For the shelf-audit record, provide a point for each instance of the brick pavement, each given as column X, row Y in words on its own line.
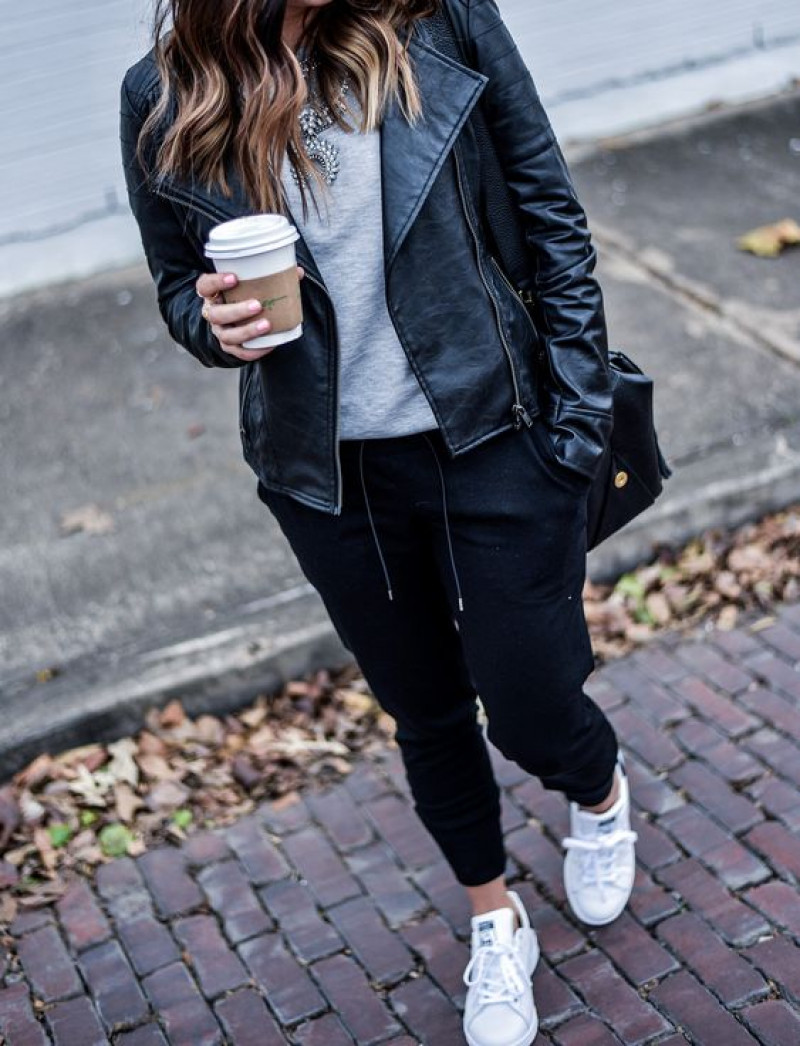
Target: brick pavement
column 333, row 920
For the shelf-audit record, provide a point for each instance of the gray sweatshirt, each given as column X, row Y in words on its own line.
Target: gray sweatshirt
column 379, row 393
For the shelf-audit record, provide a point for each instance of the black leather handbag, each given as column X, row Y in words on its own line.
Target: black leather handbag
column 631, row 471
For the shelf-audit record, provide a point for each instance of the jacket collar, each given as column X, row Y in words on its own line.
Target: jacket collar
column 411, row 156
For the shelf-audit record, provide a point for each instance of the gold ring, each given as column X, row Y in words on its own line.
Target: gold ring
column 204, row 311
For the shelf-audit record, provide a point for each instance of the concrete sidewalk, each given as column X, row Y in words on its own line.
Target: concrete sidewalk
column 178, row 582
column 333, row 919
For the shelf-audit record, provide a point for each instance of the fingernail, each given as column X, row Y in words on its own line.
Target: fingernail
column 262, row 325
column 254, row 306
column 229, row 280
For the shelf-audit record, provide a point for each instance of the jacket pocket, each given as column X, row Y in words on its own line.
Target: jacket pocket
column 546, row 452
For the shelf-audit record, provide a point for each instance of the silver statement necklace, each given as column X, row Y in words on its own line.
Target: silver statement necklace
column 316, row 117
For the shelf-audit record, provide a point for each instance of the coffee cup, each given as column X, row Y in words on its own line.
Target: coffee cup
column 259, row 250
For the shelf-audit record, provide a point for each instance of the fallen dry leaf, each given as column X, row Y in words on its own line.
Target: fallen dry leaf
column 767, row 241
column 88, row 519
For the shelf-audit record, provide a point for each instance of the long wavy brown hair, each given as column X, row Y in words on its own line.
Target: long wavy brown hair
column 234, row 89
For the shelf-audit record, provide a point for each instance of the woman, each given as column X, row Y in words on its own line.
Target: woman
column 430, row 480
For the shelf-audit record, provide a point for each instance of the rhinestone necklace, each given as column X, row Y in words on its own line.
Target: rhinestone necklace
column 316, row 117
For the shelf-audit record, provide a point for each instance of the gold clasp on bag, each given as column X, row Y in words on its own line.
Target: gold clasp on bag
column 621, row 478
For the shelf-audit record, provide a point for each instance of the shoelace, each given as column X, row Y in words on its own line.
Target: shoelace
column 598, row 868
column 499, row 973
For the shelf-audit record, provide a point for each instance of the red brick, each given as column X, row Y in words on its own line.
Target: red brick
column 344, row 822
column 777, row 673
column 779, row 959
column 321, row 866
column 779, row 799
column 774, row 1022
column 217, row 968
column 691, row 1006
column 145, row 1035
column 24, row 922
column 428, row 1012
column 324, row 1031
column 585, row 1031
column 365, row 782
column 446, row 894
column 557, row 937
column 511, row 817
column 165, row 873
column 247, row 1021
column 650, row 791
column 205, row 847
column 291, row 992
column 181, row 1007
column 555, row 1000
column 445, row 957
column 778, row 752
column 81, row 917
column 634, row 951
column 47, row 964
column 117, row 878
column 74, row 1021
column 779, row 902
column 390, row 762
column 719, row 710
column 734, row 644
column 735, row 865
column 737, row 923
column 783, row 639
column 653, row 748
column 147, row 942
column 718, row 670
column 287, row 814
column 654, row 848
column 292, row 907
column 789, row 613
column 17, row 1021
column 650, row 902
column 604, row 693
column 535, row 853
column 780, row 847
column 376, row 869
column 719, row 968
column 234, row 900
column 548, row 808
column 114, row 987
column 773, row 709
column 693, row 829
column 734, row 811
column 383, row 955
column 729, row 760
column 399, row 825
column 594, row 978
column 658, row 663
column 351, row 995
column 260, row 857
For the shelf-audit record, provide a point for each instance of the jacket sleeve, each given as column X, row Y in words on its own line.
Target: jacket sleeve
column 570, row 303
column 172, row 258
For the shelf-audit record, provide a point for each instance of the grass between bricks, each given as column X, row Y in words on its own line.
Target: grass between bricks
column 65, row 813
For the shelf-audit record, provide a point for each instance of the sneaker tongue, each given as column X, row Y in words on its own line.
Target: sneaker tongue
column 493, row 927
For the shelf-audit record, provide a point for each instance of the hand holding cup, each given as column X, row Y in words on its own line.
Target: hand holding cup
column 237, row 322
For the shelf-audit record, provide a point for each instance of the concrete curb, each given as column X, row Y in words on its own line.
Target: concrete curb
column 215, row 673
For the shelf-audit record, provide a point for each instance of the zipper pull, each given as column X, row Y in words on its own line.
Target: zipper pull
column 520, row 415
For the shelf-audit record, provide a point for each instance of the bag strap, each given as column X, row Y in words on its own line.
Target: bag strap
column 502, row 221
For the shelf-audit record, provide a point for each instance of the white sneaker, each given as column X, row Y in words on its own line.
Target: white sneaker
column 600, row 862
column 499, row 1009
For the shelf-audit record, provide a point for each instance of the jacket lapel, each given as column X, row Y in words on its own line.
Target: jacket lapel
column 412, row 156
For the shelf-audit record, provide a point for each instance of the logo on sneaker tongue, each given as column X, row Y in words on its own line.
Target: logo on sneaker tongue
column 486, row 932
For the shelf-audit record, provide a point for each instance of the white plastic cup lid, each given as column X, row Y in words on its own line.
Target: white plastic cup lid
column 250, row 235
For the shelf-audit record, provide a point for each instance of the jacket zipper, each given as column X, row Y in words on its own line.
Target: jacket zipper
column 218, row 215
column 518, row 411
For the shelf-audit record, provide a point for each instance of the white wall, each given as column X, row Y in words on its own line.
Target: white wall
column 602, row 66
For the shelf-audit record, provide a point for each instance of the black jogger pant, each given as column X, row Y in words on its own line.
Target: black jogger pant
column 448, row 577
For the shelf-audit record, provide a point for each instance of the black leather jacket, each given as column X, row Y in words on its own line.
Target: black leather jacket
column 468, row 336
